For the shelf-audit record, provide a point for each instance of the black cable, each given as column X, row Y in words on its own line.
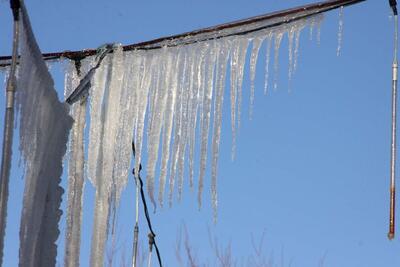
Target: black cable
column 151, row 235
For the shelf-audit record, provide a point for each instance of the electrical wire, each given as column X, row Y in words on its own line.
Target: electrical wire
column 151, row 235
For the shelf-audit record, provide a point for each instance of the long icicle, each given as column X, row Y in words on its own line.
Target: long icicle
column 75, row 174
column 220, row 74
column 257, row 42
column 206, row 113
column 168, row 124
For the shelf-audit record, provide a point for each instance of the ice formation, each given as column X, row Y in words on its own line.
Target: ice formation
column 172, row 98
column 169, row 94
column 44, row 128
column 340, row 31
column 173, row 93
column 76, row 165
column 109, row 148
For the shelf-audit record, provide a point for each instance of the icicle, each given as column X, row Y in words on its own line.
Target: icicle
column 239, row 49
column 76, row 161
column 206, row 113
column 44, row 127
column 277, row 44
column 101, row 203
column 267, row 59
column 167, row 131
column 196, row 88
column 108, row 185
column 318, row 32
column 220, row 73
column 290, row 49
column 95, row 162
column 340, row 31
column 233, row 91
column 312, row 25
column 191, row 53
column 158, row 119
column 257, row 42
column 125, row 126
column 96, row 96
column 178, row 125
column 296, row 48
column 142, row 96
column 244, row 43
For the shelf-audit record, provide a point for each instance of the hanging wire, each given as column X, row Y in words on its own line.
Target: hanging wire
column 151, row 235
column 391, row 233
column 8, row 128
column 240, row 27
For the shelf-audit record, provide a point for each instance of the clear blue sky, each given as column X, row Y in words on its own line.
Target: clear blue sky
column 312, row 166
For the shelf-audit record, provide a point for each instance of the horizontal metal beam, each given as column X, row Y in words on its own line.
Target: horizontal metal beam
column 214, row 32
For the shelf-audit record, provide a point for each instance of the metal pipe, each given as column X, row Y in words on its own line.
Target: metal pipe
column 285, row 16
column 135, row 244
column 136, row 230
column 8, row 136
column 393, row 143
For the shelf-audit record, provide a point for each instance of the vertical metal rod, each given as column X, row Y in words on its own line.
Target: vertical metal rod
column 393, row 144
column 149, row 259
column 136, row 230
column 8, row 137
column 135, row 244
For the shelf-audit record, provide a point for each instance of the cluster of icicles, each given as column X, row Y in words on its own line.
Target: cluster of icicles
column 165, row 96
column 172, row 98
column 174, row 92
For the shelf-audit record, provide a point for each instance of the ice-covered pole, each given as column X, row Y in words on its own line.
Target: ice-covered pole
column 8, row 129
column 394, row 118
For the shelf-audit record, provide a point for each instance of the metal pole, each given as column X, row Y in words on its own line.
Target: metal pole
column 393, row 144
column 135, row 244
column 136, row 230
column 8, row 132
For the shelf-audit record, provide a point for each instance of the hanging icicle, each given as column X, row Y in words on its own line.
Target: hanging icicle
column 340, row 31
column 76, row 165
column 109, row 142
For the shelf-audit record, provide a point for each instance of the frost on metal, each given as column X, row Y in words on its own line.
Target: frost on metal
column 44, row 128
